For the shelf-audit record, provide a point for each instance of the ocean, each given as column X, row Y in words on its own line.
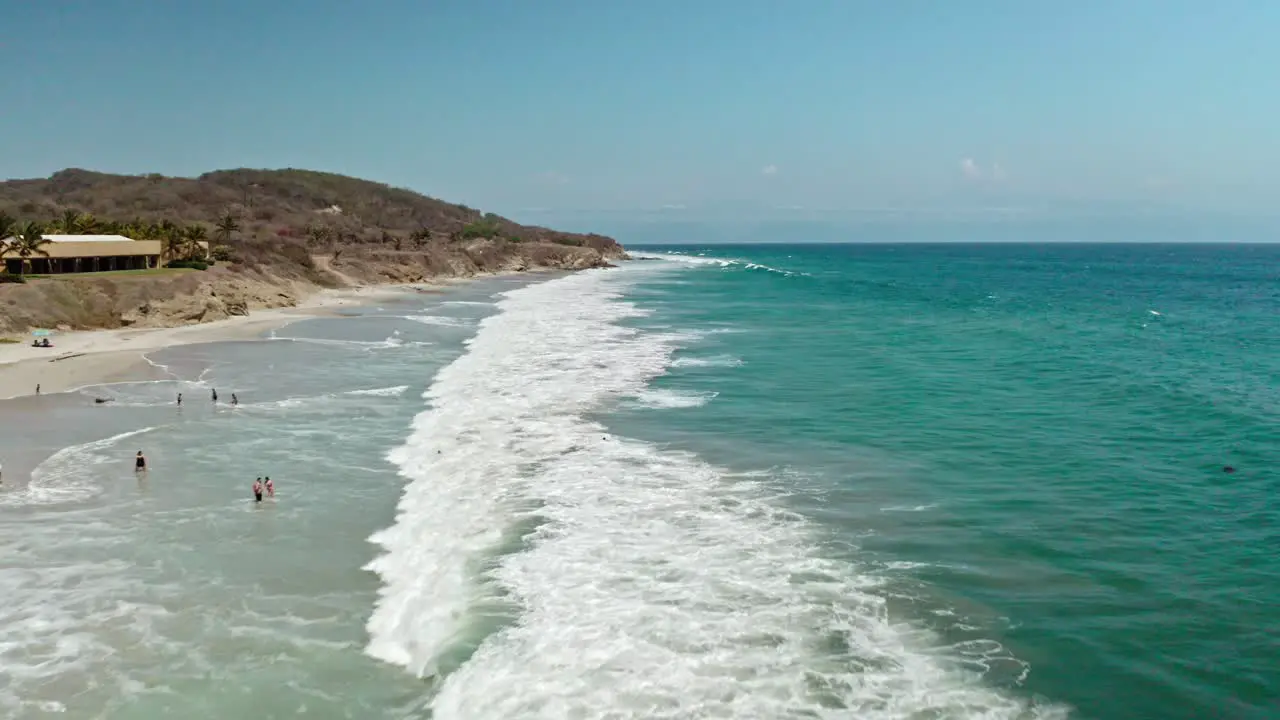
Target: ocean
column 771, row 481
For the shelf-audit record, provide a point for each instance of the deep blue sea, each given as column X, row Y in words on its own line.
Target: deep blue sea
column 1021, row 447
column 882, row 482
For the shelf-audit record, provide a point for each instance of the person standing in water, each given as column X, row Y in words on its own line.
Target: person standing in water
column 234, row 400
column 257, row 490
column 139, row 463
column 214, row 392
column 179, row 399
column 271, row 487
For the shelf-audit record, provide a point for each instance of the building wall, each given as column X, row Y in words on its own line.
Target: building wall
column 102, row 249
column 59, row 265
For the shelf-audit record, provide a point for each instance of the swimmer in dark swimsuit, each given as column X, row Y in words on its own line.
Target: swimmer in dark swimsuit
column 257, row 490
column 234, row 400
column 215, row 395
column 139, row 463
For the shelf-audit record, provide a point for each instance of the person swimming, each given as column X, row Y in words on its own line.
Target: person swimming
column 140, row 463
column 270, row 486
column 257, row 490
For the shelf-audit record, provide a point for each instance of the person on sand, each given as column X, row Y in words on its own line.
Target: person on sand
column 271, row 487
column 37, row 388
column 140, row 463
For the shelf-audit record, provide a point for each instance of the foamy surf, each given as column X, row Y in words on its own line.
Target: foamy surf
column 65, row 477
column 714, row 261
column 441, row 321
column 716, row 361
column 632, row 582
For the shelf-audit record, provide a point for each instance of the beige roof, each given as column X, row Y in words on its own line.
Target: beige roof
column 87, row 238
column 84, row 238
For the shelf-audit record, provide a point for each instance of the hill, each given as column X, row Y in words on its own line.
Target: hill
column 278, row 233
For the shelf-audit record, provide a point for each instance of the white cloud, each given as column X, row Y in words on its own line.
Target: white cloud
column 973, row 170
column 769, row 170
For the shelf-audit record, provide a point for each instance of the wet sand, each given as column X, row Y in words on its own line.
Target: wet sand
column 81, row 358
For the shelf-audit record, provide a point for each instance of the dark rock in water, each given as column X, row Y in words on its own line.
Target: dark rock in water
column 1228, row 469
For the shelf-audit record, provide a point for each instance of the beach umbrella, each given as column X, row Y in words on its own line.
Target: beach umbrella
column 42, row 333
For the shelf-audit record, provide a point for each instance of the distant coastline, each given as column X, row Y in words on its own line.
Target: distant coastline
column 271, row 239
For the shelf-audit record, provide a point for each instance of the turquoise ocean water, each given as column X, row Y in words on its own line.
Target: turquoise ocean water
column 858, row 481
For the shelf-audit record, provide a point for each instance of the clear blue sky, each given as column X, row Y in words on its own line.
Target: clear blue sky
column 655, row 109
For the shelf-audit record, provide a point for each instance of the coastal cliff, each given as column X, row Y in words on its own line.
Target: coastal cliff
column 277, row 236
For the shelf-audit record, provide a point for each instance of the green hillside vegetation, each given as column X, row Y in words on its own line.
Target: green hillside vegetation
column 262, row 216
column 274, row 237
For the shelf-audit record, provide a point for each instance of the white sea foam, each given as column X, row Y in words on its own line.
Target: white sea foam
column 442, row 320
column 907, row 508
column 467, row 302
column 664, row 398
column 396, row 391
column 716, row 361
column 66, row 476
column 713, row 261
column 641, row 583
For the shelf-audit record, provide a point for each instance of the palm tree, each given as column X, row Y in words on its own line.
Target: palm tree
column 28, row 241
column 7, row 226
column 226, row 227
column 195, row 234
column 69, row 223
column 88, row 224
column 172, row 246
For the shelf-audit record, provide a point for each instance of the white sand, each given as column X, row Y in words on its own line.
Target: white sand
column 80, row 358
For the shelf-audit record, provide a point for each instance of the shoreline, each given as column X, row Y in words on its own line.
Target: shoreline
column 91, row 357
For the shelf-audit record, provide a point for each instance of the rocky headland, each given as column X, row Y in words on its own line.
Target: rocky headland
column 277, row 236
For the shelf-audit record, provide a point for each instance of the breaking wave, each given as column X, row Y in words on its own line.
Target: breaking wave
column 539, row 567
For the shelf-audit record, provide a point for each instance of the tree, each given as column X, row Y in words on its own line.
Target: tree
column 173, row 239
column 194, row 235
column 28, row 241
column 69, row 223
column 318, row 235
column 8, row 225
column 226, row 227
column 88, row 224
column 172, row 246
column 420, row 237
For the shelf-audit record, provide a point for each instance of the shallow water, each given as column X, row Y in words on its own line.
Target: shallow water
column 781, row 482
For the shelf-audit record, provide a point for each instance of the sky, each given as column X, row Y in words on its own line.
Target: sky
column 626, row 113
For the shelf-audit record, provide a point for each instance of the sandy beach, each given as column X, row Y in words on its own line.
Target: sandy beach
column 89, row 357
